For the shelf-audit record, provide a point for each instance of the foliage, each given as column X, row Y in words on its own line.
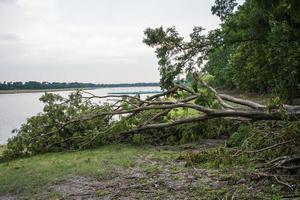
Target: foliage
column 250, row 140
column 176, row 56
column 218, row 65
column 68, row 124
column 223, row 8
column 219, row 157
column 266, row 134
column 261, row 47
column 260, row 148
column 238, row 138
column 194, row 132
column 50, row 131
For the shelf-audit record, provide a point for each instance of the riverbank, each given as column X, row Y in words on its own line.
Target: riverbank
column 128, row 172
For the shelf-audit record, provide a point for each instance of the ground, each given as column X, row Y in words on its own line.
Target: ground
column 127, row 172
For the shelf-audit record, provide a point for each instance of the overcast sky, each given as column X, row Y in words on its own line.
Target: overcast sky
column 96, row 41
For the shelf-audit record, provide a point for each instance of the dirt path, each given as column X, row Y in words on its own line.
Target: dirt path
column 151, row 177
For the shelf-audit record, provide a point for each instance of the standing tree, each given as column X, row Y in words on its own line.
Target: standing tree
column 256, row 49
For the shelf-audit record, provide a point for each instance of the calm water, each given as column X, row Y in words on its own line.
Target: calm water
column 16, row 108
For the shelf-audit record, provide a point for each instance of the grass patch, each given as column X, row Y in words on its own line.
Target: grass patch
column 30, row 176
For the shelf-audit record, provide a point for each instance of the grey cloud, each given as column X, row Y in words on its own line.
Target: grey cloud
column 8, row 36
column 89, row 41
column 8, row 1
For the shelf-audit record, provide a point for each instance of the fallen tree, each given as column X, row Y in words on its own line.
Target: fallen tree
column 239, row 109
column 79, row 122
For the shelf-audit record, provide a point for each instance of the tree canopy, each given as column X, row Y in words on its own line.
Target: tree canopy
column 255, row 49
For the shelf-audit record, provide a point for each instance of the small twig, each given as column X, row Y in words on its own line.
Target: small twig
column 276, row 179
column 290, row 167
column 283, row 183
column 239, row 152
column 270, row 147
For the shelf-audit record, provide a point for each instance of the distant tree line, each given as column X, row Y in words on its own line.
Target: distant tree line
column 32, row 85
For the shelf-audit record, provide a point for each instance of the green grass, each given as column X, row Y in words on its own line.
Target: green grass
column 30, row 176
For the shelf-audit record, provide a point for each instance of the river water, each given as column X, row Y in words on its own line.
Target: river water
column 16, row 108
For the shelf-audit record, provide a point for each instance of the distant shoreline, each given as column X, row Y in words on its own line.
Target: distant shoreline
column 18, row 91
